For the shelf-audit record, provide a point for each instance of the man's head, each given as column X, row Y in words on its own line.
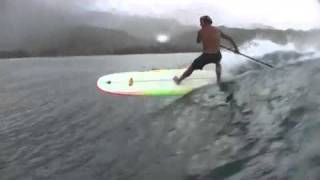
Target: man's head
column 205, row 21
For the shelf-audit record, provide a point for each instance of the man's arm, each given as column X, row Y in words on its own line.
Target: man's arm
column 199, row 37
column 231, row 40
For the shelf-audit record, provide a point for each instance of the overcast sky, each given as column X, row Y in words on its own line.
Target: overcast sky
column 281, row 14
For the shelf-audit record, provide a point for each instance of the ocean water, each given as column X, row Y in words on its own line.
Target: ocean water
column 55, row 124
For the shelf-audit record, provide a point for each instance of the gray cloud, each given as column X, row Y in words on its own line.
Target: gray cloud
column 22, row 22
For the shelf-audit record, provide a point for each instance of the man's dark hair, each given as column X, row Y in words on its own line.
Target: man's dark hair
column 206, row 19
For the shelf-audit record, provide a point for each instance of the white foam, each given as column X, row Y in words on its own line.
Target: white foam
column 258, row 48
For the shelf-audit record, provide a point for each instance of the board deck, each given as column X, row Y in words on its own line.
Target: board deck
column 153, row 82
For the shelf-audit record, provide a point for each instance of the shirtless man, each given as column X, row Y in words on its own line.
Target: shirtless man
column 210, row 37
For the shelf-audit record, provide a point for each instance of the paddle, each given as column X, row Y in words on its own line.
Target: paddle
column 251, row 58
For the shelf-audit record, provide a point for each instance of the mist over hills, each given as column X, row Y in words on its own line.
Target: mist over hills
column 50, row 33
column 145, row 28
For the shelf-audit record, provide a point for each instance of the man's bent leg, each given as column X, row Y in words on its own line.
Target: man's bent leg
column 186, row 74
column 218, row 72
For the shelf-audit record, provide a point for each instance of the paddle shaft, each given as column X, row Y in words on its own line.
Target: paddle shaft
column 251, row 58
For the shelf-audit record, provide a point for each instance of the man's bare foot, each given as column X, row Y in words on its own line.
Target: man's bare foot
column 218, row 81
column 219, row 84
column 176, row 80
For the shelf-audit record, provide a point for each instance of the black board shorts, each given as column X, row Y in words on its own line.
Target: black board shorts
column 205, row 59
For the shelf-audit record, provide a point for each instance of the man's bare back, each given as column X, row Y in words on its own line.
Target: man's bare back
column 210, row 38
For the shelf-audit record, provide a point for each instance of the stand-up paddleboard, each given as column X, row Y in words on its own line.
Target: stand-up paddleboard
column 154, row 82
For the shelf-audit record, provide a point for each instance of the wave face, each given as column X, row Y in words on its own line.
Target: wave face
column 269, row 128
